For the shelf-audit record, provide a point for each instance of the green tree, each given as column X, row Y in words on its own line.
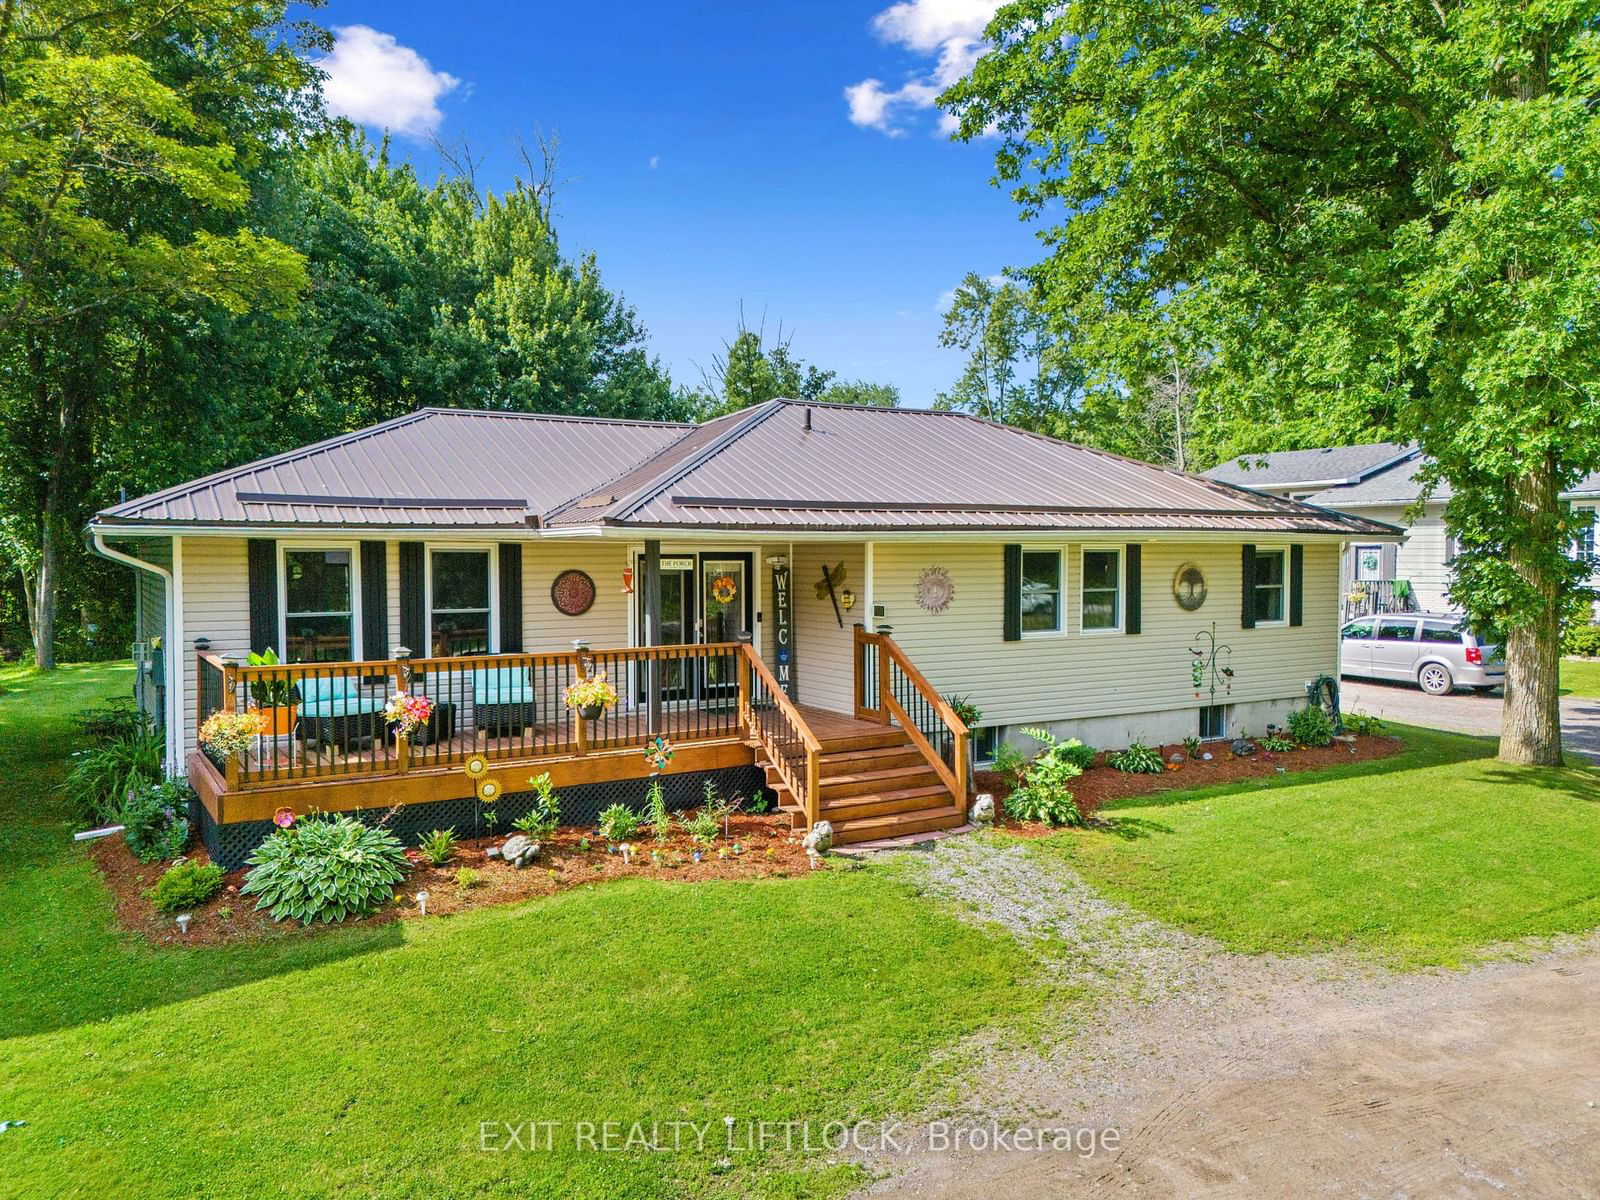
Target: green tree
column 859, row 391
column 750, row 371
column 128, row 132
column 1018, row 370
column 1373, row 216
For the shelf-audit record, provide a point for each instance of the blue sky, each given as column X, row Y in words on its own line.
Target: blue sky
column 784, row 156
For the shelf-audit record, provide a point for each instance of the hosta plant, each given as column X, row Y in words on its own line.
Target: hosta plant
column 1044, row 793
column 1138, row 759
column 325, row 869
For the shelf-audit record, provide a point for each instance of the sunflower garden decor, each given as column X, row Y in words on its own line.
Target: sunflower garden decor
column 724, row 588
column 935, row 589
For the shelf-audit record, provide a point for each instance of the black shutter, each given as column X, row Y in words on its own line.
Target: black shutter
column 413, row 599
column 262, row 556
column 511, row 597
column 1297, row 570
column 1247, row 613
column 1012, row 598
column 1133, row 615
column 374, row 600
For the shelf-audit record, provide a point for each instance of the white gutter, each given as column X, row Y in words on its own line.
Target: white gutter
column 174, row 695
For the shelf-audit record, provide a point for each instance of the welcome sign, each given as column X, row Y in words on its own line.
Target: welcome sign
column 783, row 665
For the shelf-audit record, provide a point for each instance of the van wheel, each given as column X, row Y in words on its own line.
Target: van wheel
column 1435, row 679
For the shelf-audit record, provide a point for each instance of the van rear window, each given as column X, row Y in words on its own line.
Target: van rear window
column 1439, row 631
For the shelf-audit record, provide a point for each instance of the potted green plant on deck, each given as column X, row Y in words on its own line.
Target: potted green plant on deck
column 273, row 696
column 590, row 696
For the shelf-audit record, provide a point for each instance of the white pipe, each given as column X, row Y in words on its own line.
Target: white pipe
column 174, row 694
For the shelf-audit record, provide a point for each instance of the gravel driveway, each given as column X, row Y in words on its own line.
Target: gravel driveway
column 1245, row 1076
column 1467, row 712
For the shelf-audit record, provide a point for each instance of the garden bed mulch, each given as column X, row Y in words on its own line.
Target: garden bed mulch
column 769, row 849
column 1101, row 784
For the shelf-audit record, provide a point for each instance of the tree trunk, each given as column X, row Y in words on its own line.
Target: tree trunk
column 44, row 605
column 1530, row 726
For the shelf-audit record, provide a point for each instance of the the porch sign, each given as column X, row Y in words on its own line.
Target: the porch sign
column 783, row 627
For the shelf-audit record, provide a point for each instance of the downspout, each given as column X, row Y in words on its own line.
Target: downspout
column 174, row 693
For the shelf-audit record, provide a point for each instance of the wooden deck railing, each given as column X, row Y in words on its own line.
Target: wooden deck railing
column 1369, row 596
column 325, row 720
column 777, row 723
column 889, row 686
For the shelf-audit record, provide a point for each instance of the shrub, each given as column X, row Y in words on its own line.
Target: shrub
column 702, row 825
column 541, row 820
column 155, row 820
column 466, row 878
column 103, row 775
column 186, row 885
column 1191, row 746
column 618, row 823
column 1581, row 640
column 1010, row 762
column 1071, row 750
column 325, row 868
column 438, row 846
column 1044, row 794
column 1310, row 726
column 1138, row 759
column 108, row 722
column 1362, row 724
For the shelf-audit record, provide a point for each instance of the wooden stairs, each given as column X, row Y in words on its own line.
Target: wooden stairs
column 874, row 783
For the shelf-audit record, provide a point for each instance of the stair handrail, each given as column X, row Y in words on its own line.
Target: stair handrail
column 808, row 790
column 954, row 774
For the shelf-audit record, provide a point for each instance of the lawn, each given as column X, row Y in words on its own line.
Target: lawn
column 364, row 1061
column 1581, row 677
column 1426, row 858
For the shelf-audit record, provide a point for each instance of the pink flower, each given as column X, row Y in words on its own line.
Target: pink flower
column 283, row 818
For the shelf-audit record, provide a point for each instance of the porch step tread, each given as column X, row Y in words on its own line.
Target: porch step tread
column 878, row 774
column 872, row 757
column 844, row 804
column 847, row 743
column 869, row 829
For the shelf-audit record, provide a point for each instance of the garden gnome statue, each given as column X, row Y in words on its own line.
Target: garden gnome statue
column 983, row 809
column 817, row 842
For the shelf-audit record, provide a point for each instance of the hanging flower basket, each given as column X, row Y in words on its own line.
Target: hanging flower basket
column 591, row 696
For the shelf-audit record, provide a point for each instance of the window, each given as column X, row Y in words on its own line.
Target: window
column 1447, row 632
column 984, row 742
column 459, row 613
column 1583, row 540
column 1041, row 591
column 1397, row 631
column 1369, row 563
column 1269, row 587
column 318, row 614
column 1358, row 631
column 1102, row 589
column 1213, row 722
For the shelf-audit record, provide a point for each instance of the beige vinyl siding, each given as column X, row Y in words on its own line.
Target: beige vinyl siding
column 1075, row 675
column 824, row 652
column 216, row 606
column 544, row 628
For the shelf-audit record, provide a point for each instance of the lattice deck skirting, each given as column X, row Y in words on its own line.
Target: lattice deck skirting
column 229, row 845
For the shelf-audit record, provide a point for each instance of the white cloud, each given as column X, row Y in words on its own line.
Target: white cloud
column 949, row 32
column 655, row 161
column 373, row 80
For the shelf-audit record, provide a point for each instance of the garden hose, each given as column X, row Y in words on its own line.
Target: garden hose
column 1324, row 691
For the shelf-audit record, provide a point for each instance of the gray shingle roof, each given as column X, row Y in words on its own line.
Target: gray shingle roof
column 1325, row 467
column 853, row 468
column 1396, row 485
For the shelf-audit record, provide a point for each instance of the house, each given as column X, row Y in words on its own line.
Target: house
column 789, row 594
column 1379, row 481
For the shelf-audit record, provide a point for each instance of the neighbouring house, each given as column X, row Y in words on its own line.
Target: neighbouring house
column 1379, row 481
column 790, row 594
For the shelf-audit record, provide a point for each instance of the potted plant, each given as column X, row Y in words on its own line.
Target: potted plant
column 590, row 696
column 273, row 697
column 225, row 734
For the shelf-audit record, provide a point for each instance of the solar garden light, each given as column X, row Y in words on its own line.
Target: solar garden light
column 422, row 903
column 183, row 920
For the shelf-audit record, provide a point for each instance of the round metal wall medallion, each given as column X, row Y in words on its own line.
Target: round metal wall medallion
column 935, row 590
column 1189, row 587
column 572, row 593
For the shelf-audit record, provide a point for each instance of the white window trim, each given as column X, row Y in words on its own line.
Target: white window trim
column 1378, row 546
column 1283, row 621
column 493, row 550
column 298, row 547
column 1119, row 624
column 1060, row 630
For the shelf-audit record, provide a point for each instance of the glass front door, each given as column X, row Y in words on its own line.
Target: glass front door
column 725, row 600
column 677, row 626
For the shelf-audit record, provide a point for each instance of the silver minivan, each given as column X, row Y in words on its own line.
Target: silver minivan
column 1436, row 651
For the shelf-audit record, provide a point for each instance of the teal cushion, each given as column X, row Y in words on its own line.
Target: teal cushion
column 501, row 685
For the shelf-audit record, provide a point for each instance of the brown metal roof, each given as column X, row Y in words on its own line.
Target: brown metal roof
column 853, row 468
column 431, row 468
column 909, row 469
